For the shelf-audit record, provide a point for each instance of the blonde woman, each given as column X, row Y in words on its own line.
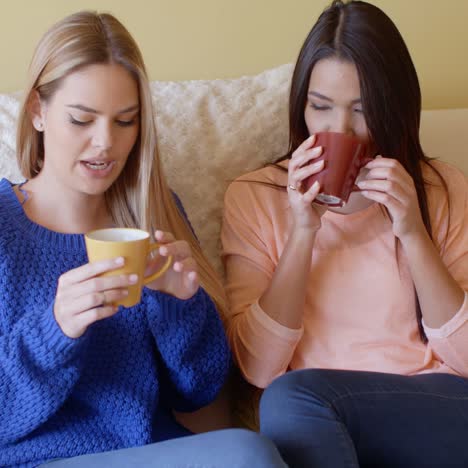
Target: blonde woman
column 77, row 375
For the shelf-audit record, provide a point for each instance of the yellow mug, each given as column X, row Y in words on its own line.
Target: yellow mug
column 134, row 246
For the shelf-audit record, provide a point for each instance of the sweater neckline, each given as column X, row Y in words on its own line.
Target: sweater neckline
column 18, row 219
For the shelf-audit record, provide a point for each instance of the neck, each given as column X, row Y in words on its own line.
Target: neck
column 61, row 209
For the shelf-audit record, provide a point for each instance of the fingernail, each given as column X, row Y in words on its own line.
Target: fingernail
column 315, row 184
column 119, row 261
column 125, row 292
column 133, row 278
column 318, row 163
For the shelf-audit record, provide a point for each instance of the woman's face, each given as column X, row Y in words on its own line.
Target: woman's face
column 334, row 99
column 334, row 105
column 90, row 126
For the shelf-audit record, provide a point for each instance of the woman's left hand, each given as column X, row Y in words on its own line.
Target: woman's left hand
column 388, row 183
column 181, row 279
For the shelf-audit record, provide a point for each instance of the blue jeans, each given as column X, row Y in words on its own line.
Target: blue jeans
column 225, row 448
column 336, row 419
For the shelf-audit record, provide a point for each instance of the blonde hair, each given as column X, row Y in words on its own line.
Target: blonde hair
column 140, row 197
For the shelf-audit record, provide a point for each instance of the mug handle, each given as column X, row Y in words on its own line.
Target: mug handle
column 160, row 272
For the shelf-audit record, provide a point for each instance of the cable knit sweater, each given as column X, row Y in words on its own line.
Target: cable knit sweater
column 62, row 397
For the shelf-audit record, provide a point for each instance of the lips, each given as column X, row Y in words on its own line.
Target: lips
column 98, row 168
column 97, row 165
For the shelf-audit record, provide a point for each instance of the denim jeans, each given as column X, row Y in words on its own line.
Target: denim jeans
column 236, row 448
column 336, row 419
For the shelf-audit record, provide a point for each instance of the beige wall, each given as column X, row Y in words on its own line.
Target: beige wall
column 204, row 39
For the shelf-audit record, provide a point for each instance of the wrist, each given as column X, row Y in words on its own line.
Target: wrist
column 414, row 239
column 305, row 230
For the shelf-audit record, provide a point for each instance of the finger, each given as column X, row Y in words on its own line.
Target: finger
column 90, row 270
column 391, row 203
column 306, row 144
column 191, row 284
column 303, row 158
column 187, row 265
column 97, row 299
column 309, row 196
column 164, row 237
column 390, row 187
column 87, row 318
column 381, row 162
column 100, row 284
column 307, row 171
column 390, row 173
column 178, row 249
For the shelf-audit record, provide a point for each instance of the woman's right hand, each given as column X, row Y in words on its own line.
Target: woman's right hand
column 83, row 297
column 306, row 214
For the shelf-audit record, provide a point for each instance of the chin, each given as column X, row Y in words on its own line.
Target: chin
column 96, row 188
column 355, row 203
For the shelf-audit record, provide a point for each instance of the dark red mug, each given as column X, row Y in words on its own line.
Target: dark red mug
column 344, row 157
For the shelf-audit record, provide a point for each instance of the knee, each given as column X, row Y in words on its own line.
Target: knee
column 295, row 392
column 249, row 449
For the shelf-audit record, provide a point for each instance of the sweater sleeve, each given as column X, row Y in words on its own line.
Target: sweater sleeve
column 262, row 347
column 193, row 347
column 450, row 227
column 39, row 366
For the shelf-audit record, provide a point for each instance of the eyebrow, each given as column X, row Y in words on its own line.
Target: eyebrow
column 325, row 98
column 94, row 111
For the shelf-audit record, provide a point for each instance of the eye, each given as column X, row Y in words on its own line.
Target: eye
column 319, row 107
column 78, row 122
column 358, row 110
column 126, row 123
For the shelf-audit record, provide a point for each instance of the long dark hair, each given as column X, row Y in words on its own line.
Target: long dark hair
column 364, row 35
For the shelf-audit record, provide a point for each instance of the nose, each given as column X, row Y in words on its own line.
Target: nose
column 102, row 137
column 342, row 122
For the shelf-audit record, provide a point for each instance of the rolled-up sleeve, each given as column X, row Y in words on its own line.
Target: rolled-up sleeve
column 262, row 347
column 450, row 232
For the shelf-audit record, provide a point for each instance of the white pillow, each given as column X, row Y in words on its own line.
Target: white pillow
column 9, row 108
column 210, row 132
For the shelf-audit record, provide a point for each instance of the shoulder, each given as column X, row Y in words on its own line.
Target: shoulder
column 263, row 186
column 442, row 180
column 8, row 205
column 435, row 169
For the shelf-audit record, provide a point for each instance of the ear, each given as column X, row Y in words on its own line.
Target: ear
column 36, row 111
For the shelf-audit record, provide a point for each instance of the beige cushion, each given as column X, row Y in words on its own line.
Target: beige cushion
column 212, row 131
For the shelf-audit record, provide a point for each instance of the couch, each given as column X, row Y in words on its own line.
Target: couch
column 212, row 131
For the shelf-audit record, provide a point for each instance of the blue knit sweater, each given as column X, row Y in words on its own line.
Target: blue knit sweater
column 62, row 397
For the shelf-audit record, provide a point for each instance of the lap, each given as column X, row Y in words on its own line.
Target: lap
column 404, row 419
column 337, row 384
column 224, row 448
